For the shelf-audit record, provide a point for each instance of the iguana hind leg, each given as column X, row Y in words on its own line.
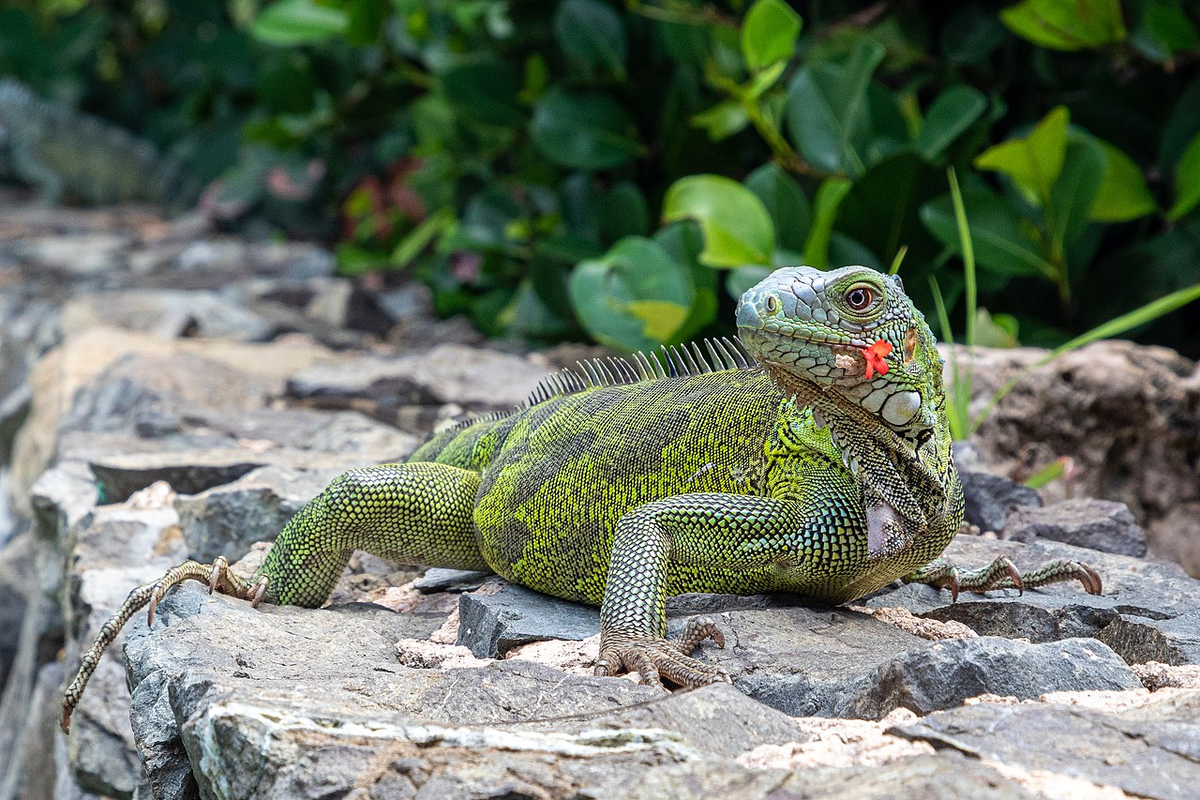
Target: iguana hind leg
column 417, row 512
column 718, row 531
column 1003, row 574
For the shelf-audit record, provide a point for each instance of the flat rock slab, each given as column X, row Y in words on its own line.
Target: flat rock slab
column 1151, row 751
column 1102, row 525
column 989, row 498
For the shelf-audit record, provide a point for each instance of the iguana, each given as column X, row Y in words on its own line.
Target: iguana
column 68, row 155
column 821, row 467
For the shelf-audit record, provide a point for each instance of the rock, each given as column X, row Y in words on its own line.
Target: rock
column 990, row 497
column 1096, row 524
column 437, row 579
column 492, row 624
column 1145, row 613
column 227, row 519
column 1129, row 416
column 187, row 473
column 1083, row 742
column 1174, row 536
column 166, row 313
column 17, row 584
column 1170, row 641
column 448, row 373
column 944, row 674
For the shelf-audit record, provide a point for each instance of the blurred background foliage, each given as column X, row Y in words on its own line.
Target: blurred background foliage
column 622, row 171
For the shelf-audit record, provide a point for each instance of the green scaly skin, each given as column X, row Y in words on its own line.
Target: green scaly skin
column 799, row 474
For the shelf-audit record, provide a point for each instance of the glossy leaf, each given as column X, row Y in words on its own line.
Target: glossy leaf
column 1000, row 234
column 293, row 22
column 1123, row 195
column 1075, row 191
column 954, row 110
column 592, row 35
column 769, row 33
column 635, row 297
column 1066, row 24
column 1033, row 162
column 791, row 213
column 827, row 112
column 736, row 226
column 584, row 131
column 1187, row 181
column 829, row 198
column 722, row 120
column 623, row 212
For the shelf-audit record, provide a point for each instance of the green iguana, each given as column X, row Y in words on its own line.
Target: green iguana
column 824, row 468
column 65, row 154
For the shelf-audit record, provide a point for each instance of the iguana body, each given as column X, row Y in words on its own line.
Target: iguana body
column 824, row 469
column 65, row 154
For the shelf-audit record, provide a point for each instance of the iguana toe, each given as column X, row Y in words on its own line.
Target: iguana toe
column 655, row 658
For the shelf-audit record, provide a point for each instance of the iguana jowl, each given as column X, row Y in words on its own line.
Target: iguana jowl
column 824, row 468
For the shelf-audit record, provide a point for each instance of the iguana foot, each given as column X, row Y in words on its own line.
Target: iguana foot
column 655, row 658
column 1003, row 574
column 217, row 577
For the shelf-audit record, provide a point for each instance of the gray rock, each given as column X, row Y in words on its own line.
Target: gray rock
column 944, row 674
column 227, row 519
column 1151, row 751
column 448, row 373
column 167, row 313
column 1096, row 524
column 989, row 499
column 1139, row 639
column 18, row 583
column 492, row 624
column 947, row 776
column 188, row 473
column 1147, row 611
column 438, row 579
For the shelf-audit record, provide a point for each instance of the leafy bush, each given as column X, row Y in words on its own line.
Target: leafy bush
column 555, row 169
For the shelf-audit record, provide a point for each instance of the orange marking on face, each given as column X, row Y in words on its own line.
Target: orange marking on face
column 874, row 355
column 910, row 344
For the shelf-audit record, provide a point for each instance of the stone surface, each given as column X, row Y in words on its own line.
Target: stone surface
column 492, row 624
column 1128, row 416
column 227, row 519
column 1163, row 761
column 1084, row 522
column 991, row 497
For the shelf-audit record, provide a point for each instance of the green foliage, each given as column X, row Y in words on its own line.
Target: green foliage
column 624, row 170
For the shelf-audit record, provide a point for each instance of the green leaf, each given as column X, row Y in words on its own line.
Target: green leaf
column 635, row 297
column 954, row 110
column 1165, row 30
column 737, row 228
column 1187, row 181
column 1034, row 161
column 738, row 281
column 293, row 22
column 827, row 113
column 1066, row 24
column 882, row 210
column 623, row 212
column 1123, row 195
column 584, row 131
column 421, row 236
column 722, row 120
column 592, row 35
column 484, row 90
column 999, row 234
column 1075, row 190
column 769, row 33
column 829, row 197
column 784, row 200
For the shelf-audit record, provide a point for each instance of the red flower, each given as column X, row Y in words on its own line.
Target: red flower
column 875, row 355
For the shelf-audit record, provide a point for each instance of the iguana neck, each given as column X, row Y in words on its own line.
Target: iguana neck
column 912, row 472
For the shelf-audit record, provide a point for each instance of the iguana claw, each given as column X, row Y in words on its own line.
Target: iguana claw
column 1003, row 574
column 655, row 658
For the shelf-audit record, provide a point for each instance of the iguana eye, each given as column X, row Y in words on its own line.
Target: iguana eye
column 859, row 298
column 772, row 303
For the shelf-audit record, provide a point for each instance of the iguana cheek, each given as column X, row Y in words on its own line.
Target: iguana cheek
column 900, row 408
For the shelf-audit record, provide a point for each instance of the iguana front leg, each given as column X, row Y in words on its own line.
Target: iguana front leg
column 717, row 531
column 1003, row 574
column 419, row 513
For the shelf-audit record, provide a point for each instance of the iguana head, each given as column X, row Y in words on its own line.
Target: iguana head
column 848, row 340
